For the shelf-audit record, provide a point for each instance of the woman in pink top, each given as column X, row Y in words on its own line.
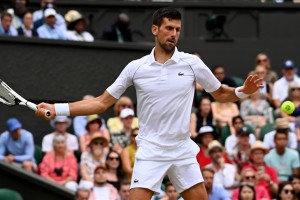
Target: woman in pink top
column 93, row 124
column 59, row 165
column 249, row 176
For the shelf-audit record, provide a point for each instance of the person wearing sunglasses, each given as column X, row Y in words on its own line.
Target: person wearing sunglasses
column 93, row 157
column 114, row 168
column 285, row 191
column 264, row 60
column 249, row 176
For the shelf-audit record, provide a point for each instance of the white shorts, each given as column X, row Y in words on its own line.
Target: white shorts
column 183, row 174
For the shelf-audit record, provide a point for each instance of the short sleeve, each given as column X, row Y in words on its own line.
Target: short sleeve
column 124, row 80
column 295, row 162
column 204, row 76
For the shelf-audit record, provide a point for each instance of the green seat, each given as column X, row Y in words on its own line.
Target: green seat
column 225, row 132
column 8, row 194
column 239, row 81
column 38, row 154
column 265, row 129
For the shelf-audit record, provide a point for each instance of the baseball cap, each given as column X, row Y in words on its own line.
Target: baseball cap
column 205, row 129
column 243, row 132
column 288, row 64
column 100, row 167
column 49, row 12
column 13, row 124
column 126, row 112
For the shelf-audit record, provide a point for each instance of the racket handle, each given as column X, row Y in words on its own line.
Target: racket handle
column 32, row 106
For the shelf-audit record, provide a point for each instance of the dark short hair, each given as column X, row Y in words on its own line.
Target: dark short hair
column 6, row 14
column 237, row 117
column 280, row 133
column 166, row 12
column 293, row 176
column 215, row 67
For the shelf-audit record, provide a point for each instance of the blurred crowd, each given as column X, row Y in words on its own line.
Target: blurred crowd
column 47, row 23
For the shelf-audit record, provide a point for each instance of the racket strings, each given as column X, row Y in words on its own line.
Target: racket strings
column 6, row 97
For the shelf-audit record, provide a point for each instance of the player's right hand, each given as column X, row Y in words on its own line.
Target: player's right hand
column 41, row 110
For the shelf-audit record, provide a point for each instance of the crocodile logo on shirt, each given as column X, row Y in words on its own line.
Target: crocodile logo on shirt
column 180, row 74
column 135, row 181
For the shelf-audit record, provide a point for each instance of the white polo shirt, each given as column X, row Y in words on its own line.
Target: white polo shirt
column 164, row 96
column 281, row 86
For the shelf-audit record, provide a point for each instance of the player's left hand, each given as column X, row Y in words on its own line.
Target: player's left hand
column 251, row 85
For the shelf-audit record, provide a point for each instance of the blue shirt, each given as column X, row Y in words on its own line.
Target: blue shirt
column 218, row 193
column 48, row 32
column 283, row 164
column 22, row 149
column 11, row 31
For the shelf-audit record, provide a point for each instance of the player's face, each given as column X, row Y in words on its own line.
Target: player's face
column 167, row 34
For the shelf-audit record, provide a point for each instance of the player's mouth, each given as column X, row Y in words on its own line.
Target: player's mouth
column 171, row 42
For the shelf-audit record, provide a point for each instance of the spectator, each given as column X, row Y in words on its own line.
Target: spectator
column 38, row 16
column 249, row 176
column 263, row 60
column 114, row 124
column 102, row 189
column 5, row 26
column 77, row 27
column 204, row 137
column 171, row 192
column 17, row 146
column 280, row 89
column 294, row 96
column 238, row 125
column 114, row 169
column 26, row 29
column 202, row 117
column 267, row 90
column 118, row 31
column 82, row 194
column 124, row 190
column 215, row 192
column 60, row 125
column 281, row 124
column 92, row 158
column 225, row 173
column 128, row 154
column 18, row 10
column 283, row 159
column 255, row 112
column 122, row 139
column 93, row 125
column 241, row 152
column 48, row 30
column 266, row 175
column 295, row 181
column 223, row 114
column 285, row 191
column 79, row 122
column 247, row 192
column 59, row 165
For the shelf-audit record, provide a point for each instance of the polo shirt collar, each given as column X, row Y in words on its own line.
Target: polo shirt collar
column 175, row 57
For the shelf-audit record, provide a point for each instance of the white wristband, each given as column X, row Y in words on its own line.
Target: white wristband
column 62, row 109
column 240, row 95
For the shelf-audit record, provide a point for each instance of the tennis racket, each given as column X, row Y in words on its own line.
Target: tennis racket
column 10, row 98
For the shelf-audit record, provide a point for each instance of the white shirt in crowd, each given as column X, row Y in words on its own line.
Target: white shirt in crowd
column 101, row 193
column 280, row 89
column 270, row 144
column 85, row 36
column 47, row 143
column 231, row 141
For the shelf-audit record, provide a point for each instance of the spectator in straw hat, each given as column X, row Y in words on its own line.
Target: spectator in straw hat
column 60, row 125
column 225, row 173
column 77, row 27
column 281, row 124
column 283, row 159
column 266, row 175
column 204, row 137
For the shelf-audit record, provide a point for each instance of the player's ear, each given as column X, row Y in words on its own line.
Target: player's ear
column 154, row 29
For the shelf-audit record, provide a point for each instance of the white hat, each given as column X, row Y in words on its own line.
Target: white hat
column 61, row 119
column 49, row 12
column 206, row 129
column 72, row 16
column 126, row 112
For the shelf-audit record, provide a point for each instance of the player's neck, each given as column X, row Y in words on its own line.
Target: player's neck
column 162, row 55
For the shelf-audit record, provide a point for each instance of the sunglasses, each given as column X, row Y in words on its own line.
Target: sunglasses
column 113, row 158
column 126, row 106
column 249, row 177
column 98, row 143
column 293, row 89
column 286, row 191
column 262, row 60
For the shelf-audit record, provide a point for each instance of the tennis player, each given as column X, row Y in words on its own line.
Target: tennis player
column 165, row 82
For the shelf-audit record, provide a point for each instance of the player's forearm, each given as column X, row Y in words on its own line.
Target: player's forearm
column 225, row 94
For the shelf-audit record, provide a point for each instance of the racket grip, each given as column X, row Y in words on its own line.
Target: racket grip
column 32, row 106
column 47, row 113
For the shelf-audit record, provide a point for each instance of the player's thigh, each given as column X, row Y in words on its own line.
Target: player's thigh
column 196, row 192
column 184, row 174
column 149, row 174
column 140, row 194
